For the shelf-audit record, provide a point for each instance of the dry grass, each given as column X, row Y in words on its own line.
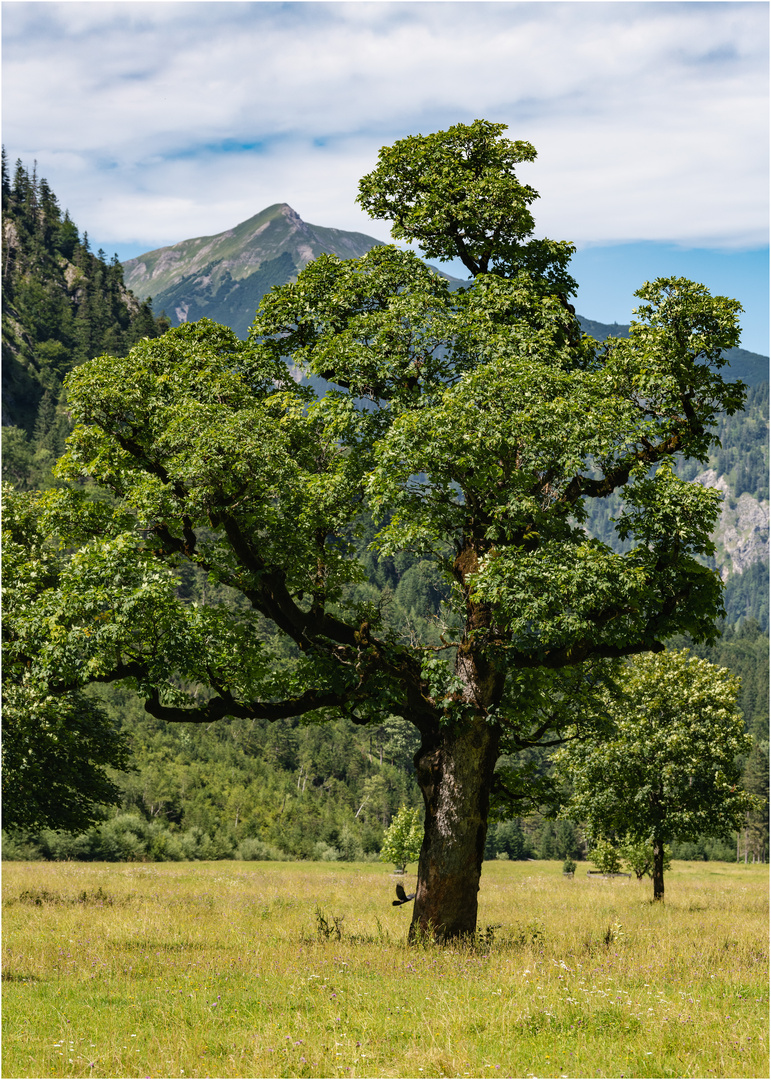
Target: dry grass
column 225, row 970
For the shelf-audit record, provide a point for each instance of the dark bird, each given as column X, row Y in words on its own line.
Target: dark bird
column 403, row 897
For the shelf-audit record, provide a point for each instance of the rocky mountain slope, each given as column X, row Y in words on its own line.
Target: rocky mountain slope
column 224, row 277
column 741, row 537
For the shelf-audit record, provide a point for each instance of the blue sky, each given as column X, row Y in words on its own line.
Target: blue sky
column 157, row 122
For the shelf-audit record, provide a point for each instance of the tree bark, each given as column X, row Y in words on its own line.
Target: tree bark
column 658, row 868
column 455, row 771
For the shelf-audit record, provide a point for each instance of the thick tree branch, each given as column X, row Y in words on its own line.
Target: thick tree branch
column 226, row 705
column 581, row 486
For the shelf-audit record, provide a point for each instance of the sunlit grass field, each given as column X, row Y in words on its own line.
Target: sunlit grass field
column 233, row 969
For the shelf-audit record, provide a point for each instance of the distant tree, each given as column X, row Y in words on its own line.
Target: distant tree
column 566, row 840
column 402, row 840
column 509, row 839
column 753, row 838
column 547, row 841
column 671, row 766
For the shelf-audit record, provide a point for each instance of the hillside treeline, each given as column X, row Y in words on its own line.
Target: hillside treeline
column 62, row 305
column 288, row 789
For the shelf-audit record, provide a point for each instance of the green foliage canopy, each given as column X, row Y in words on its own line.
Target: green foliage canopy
column 671, row 768
column 57, row 747
column 456, row 193
column 218, row 456
column 471, row 426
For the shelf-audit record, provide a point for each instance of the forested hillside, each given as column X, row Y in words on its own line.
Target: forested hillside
column 62, row 305
column 290, row 789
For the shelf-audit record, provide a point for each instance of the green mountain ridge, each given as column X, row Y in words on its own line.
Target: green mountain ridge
column 224, row 276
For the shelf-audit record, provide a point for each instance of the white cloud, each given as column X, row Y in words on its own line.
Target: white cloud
column 155, row 122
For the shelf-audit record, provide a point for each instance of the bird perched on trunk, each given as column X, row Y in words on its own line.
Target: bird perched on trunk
column 403, row 897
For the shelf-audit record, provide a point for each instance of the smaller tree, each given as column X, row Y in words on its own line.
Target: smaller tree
column 638, row 856
column 402, row 840
column 605, row 856
column 670, row 768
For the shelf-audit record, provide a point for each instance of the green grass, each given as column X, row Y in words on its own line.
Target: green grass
column 219, row 970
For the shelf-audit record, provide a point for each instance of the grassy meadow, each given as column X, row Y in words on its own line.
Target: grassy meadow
column 233, row 969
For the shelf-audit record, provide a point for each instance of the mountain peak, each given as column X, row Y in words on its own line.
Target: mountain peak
column 290, row 214
column 225, row 276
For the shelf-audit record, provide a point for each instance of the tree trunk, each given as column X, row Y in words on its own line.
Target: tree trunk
column 658, row 868
column 455, row 772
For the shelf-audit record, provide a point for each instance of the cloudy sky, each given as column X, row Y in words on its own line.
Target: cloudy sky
column 157, row 122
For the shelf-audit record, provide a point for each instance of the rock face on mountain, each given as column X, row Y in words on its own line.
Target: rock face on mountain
column 225, row 276
column 741, row 537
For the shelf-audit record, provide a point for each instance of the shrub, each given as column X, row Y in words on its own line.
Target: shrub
column 63, row 846
column 254, row 850
column 19, row 846
column 324, row 852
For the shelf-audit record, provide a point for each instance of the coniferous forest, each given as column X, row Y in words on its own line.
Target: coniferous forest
column 289, row 789
column 62, row 305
